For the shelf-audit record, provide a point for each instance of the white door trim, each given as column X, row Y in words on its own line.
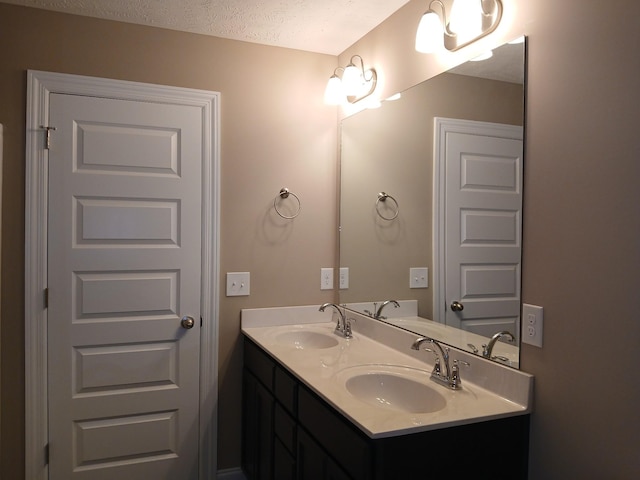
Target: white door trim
column 39, row 86
column 442, row 126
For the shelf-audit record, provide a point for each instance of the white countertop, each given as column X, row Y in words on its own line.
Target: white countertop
column 489, row 391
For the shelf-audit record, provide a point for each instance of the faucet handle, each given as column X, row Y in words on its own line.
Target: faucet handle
column 457, row 361
column 456, row 381
column 347, row 327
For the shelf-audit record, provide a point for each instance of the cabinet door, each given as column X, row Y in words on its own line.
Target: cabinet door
column 257, row 430
column 284, row 465
column 314, row 463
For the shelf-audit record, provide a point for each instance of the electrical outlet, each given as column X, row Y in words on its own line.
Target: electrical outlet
column 326, row 279
column 532, row 323
column 344, row 278
column 238, row 284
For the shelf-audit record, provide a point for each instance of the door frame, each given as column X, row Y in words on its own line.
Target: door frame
column 441, row 127
column 39, row 86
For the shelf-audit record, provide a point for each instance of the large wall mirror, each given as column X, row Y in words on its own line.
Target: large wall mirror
column 431, row 207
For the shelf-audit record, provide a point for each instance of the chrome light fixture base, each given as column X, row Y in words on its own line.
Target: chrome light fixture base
column 491, row 15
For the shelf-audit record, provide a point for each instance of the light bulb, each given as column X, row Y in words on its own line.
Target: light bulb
column 466, row 19
column 333, row 94
column 429, row 34
column 352, row 80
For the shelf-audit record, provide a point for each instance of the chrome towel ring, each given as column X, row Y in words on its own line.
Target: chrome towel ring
column 284, row 193
column 382, row 197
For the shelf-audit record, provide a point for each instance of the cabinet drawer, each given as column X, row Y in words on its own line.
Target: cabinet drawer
column 285, row 428
column 347, row 446
column 259, row 363
column 286, row 390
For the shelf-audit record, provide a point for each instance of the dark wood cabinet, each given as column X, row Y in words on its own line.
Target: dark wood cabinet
column 257, row 429
column 314, row 463
column 291, row 433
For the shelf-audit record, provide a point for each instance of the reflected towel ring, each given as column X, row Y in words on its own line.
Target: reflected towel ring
column 382, row 197
column 284, row 193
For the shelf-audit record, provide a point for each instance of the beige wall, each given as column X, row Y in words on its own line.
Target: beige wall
column 581, row 223
column 275, row 132
column 581, row 205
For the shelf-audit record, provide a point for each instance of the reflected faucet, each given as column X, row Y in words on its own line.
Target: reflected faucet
column 378, row 314
column 343, row 327
column 488, row 348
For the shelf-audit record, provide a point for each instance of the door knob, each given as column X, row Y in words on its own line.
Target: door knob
column 457, row 306
column 187, row 322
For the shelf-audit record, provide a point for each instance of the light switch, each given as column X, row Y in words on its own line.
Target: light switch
column 238, row 284
column 419, row 277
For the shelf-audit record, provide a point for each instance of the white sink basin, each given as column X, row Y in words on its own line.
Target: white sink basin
column 301, row 339
column 393, row 387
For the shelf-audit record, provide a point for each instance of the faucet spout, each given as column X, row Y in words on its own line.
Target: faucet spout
column 442, row 352
column 488, row 348
column 343, row 327
column 378, row 314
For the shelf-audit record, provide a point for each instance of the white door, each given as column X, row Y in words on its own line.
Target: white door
column 124, row 267
column 482, row 226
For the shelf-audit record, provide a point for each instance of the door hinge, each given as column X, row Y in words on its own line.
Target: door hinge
column 47, row 136
column 46, row 298
column 46, row 454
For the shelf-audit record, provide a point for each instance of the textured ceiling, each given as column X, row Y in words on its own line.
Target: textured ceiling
column 323, row 26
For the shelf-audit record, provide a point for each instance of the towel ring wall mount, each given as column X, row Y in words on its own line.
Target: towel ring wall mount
column 382, row 198
column 283, row 194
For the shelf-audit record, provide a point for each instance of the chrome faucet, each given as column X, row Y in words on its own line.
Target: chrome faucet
column 343, row 327
column 488, row 348
column 450, row 378
column 378, row 314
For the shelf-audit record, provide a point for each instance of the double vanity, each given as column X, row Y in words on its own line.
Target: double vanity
column 319, row 405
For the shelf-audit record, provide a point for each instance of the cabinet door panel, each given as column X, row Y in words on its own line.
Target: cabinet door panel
column 314, row 463
column 286, row 390
column 332, row 431
column 284, row 465
column 285, row 428
column 257, row 441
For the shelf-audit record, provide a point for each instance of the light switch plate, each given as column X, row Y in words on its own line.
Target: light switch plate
column 238, row 284
column 532, row 322
column 419, row 277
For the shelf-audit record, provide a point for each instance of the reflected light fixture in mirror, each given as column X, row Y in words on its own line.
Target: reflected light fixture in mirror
column 470, row 21
column 356, row 83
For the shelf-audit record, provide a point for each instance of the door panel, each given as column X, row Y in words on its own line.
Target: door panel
column 483, row 212
column 124, row 242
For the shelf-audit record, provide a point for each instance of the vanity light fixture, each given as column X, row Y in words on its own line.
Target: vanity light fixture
column 356, row 83
column 470, row 20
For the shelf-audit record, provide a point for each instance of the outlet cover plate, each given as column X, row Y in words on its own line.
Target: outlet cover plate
column 532, row 323
column 326, row 279
column 344, row 278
